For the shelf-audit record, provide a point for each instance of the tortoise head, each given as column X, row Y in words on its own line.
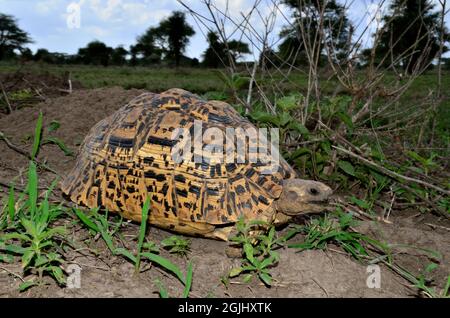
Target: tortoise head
column 302, row 197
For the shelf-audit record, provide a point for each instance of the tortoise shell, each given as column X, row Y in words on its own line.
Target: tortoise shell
column 126, row 158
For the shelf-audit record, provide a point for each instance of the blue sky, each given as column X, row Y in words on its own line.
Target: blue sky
column 119, row 22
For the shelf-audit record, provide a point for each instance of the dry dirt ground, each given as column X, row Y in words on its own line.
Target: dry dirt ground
column 47, row 84
column 313, row 273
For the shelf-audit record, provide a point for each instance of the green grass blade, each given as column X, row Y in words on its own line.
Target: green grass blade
column 32, row 188
column 29, row 226
column 108, row 240
column 86, row 220
column 188, row 284
column 142, row 230
column 37, row 136
column 446, row 288
column 52, row 232
column 44, row 212
column 267, row 261
column 102, row 220
column 58, row 142
column 58, row 274
column 54, row 126
column 15, row 249
column 266, row 278
column 27, row 284
column 290, row 234
column 166, row 264
column 14, row 235
column 6, row 258
column 162, row 289
column 126, row 253
column 27, row 257
column 248, row 249
column 44, row 216
column 247, row 278
column 11, row 204
column 235, row 271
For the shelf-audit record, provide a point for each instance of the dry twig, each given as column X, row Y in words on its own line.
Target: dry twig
column 26, row 154
column 392, row 173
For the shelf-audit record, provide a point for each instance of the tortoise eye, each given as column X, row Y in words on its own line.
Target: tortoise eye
column 314, row 191
column 292, row 195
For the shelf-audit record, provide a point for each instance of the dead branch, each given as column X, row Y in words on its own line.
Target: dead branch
column 13, row 147
column 12, row 273
column 427, row 201
column 25, row 154
column 392, row 173
column 7, row 186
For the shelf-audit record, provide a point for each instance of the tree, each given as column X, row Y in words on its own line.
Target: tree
column 316, row 22
column 134, row 51
column 237, row 49
column 11, row 36
column 95, row 53
column 173, row 34
column 268, row 58
column 411, row 34
column 43, row 55
column 446, row 63
column 216, row 54
column 119, row 56
column 26, row 55
column 169, row 40
column 146, row 48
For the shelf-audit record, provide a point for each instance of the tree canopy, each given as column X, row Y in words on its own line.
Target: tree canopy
column 146, row 48
column 167, row 41
column 119, row 56
column 11, row 36
column 411, row 35
column 95, row 53
column 218, row 53
column 175, row 32
column 309, row 17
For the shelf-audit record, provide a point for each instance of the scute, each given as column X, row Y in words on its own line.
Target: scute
column 128, row 156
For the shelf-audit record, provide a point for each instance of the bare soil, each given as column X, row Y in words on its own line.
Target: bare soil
column 25, row 89
column 47, row 84
column 313, row 273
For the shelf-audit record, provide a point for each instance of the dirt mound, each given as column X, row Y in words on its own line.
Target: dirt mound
column 47, row 84
column 25, row 89
column 76, row 113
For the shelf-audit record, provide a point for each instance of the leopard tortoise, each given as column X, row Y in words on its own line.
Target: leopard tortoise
column 126, row 158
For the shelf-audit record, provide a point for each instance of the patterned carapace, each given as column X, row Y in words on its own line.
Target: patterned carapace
column 127, row 157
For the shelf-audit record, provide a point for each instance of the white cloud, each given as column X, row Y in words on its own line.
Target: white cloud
column 143, row 14
column 128, row 12
column 44, row 7
column 234, row 7
column 97, row 31
column 105, row 9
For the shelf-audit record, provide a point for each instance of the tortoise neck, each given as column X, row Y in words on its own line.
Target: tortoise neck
column 275, row 206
